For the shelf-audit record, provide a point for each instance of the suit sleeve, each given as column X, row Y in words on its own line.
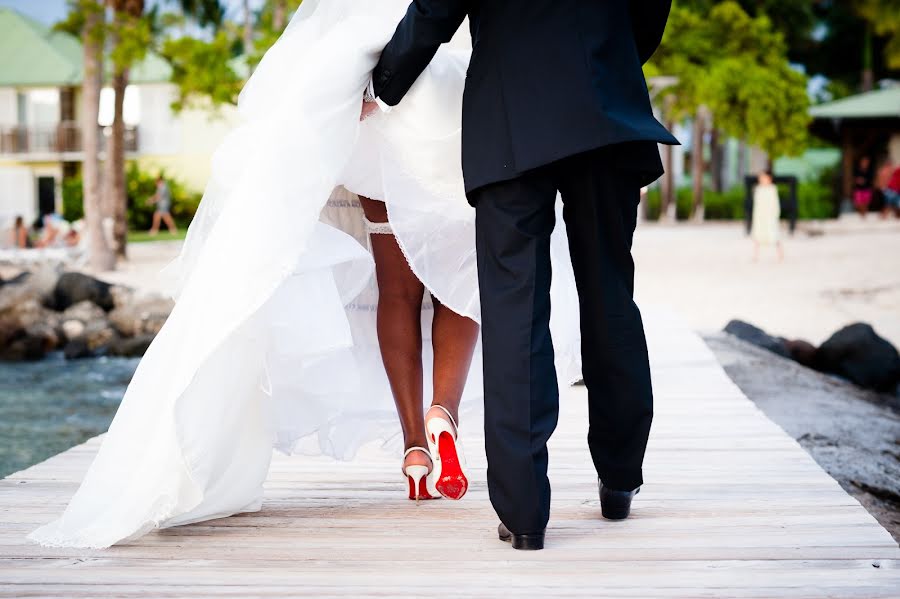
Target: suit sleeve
column 648, row 21
column 427, row 25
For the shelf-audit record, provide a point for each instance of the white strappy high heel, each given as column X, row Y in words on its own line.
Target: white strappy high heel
column 449, row 463
column 420, row 481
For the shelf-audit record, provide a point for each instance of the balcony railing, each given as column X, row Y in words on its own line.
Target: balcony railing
column 64, row 138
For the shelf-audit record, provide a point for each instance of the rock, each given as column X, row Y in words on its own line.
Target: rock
column 73, row 329
column 858, row 354
column 99, row 335
column 121, row 295
column 16, row 318
column 143, row 317
column 36, row 286
column 25, row 348
column 84, row 311
column 77, row 349
column 19, row 278
column 802, row 352
column 46, row 332
column 751, row 334
column 134, row 347
column 74, row 287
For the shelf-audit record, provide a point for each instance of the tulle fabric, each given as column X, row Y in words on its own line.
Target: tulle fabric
column 272, row 341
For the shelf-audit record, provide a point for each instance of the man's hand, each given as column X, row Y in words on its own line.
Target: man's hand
column 367, row 109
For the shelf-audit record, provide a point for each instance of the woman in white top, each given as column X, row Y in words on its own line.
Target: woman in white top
column 765, row 229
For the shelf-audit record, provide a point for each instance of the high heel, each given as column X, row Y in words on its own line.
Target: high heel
column 419, row 479
column 449, row 463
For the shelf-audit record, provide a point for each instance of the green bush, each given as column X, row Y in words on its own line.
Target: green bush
column 73, row 199
column 684, row 199
column 725, row 205
column 815, row 200
column 140, row 187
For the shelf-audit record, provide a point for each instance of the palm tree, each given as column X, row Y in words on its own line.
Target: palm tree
column 204, row 12
column 115, row 196
column 101, row 256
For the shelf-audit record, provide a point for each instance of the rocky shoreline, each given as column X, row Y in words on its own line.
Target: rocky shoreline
column 45, row 310
column 851, row 432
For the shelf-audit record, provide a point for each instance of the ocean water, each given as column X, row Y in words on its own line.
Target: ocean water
column 47, row 407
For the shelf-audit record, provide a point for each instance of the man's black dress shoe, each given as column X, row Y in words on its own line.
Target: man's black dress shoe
column 616, row 505
column 527, row 542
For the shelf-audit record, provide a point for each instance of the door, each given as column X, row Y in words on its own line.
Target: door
column 46, row 196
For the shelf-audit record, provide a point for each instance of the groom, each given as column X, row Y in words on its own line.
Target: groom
column 555, row 102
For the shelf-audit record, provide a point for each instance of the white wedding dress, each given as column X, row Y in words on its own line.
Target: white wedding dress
column 272, row 340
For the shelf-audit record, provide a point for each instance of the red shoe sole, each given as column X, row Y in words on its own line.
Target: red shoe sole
column 424, row 495
column 453, row 483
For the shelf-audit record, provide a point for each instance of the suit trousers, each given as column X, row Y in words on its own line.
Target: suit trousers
column 514, row 220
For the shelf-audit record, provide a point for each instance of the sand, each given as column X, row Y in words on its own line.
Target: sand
column 835, row 273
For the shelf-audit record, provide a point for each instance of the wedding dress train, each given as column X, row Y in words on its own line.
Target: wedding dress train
column 272, row 340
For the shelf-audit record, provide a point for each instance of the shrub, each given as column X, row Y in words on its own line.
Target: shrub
column 725, row 205
column 141, row 187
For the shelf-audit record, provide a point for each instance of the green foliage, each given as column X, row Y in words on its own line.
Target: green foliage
column 683, row 203
column 815, row 200
column 206, row 13
column 202, row 70
column 133, row 35
column 726, row 205
column 140, row 186
column 73, row 199
column 737, row 66
column 884, row 18
column 77, row 18
column 267, row 30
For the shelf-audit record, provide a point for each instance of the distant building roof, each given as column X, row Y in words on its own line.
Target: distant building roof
column 879, row 104
column 36, row 56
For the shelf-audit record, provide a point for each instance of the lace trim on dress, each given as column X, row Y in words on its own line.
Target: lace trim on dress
column 377, row 228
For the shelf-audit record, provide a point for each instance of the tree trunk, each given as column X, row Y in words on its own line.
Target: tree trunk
column 248, row 28
column 101, row 257
column 868, row 73
column 697, row 163
column 279, row 15
column 716, row 160
column 115, row 194
column 741, row 161
column 667, row 193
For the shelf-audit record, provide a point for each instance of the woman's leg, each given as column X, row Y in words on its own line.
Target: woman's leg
column 400, row 296
column 454, row 338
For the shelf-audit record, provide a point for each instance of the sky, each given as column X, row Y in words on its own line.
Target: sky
column 51, row 11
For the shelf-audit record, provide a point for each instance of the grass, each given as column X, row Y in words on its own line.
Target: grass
column 164, row 235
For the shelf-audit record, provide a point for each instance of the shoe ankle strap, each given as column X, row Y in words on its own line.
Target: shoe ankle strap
column 412, row 449
column 449, row 415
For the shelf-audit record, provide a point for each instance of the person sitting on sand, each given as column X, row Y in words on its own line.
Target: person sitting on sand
column 20, row 238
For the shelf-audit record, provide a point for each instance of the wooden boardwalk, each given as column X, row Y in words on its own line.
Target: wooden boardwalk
column 732, row 507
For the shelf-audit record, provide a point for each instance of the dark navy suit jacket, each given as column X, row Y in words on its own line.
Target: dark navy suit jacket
column 548, row 79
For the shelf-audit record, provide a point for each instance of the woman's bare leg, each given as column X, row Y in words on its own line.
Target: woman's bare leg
column 400, row 296
column 454, row 338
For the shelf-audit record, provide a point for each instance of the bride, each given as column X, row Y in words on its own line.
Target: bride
column 330, row 269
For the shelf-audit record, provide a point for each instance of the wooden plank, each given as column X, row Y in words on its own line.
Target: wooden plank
column 733, row 507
